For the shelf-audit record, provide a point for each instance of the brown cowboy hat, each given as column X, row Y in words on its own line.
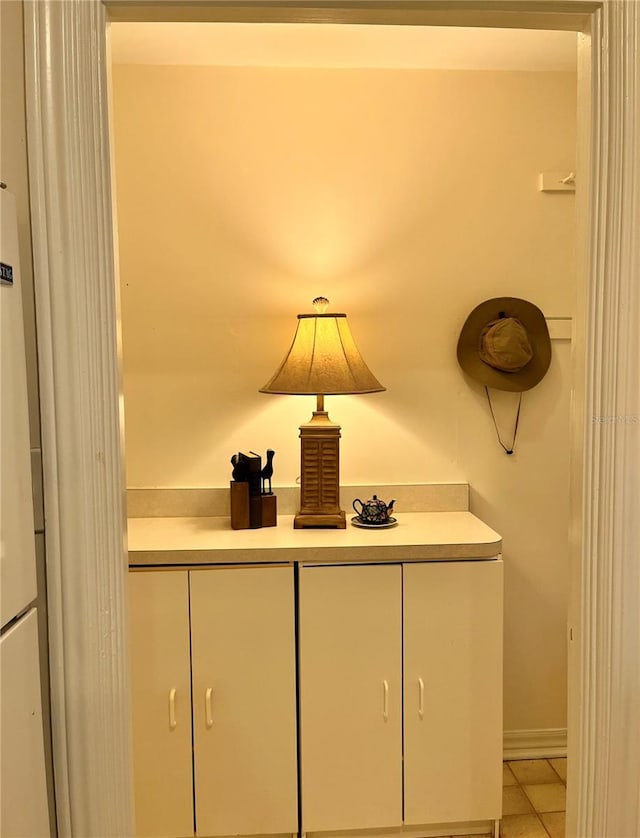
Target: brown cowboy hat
column 505, row 344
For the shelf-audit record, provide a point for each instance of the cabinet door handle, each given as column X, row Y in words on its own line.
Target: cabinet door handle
column 207, row 707
column 385, row 702
column 421, row 698
column 172, row 709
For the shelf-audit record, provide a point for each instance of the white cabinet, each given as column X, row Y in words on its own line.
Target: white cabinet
column 161, row 703
column 350, row 697
column 399, row 698
column 244, row 701
column 371, row 638
column 237, row 701
column 452, row 691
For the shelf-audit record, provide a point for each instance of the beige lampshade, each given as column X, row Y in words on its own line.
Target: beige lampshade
column 323, row 359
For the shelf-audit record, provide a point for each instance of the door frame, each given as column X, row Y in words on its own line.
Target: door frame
column 66, row 64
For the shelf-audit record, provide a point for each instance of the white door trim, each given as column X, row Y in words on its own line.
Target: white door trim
column 68, row 144
column 68, row 133
column 604, row 684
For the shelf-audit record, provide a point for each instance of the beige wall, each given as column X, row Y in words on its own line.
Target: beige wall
column 406, row 197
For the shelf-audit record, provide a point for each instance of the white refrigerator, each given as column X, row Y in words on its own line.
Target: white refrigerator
column 23, row 790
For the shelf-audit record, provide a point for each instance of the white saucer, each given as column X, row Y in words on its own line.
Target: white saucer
column 358, row 522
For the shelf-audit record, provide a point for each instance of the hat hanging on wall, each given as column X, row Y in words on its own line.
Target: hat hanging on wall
column 505, row 344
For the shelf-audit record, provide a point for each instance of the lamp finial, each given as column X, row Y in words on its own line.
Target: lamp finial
column 321, row 304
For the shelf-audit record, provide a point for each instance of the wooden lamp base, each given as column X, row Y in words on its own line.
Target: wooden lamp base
column 320, row 474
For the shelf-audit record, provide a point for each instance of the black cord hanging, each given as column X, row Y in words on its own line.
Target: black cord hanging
column 495, row 424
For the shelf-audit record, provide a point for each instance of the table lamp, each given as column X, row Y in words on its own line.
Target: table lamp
column 323, row 361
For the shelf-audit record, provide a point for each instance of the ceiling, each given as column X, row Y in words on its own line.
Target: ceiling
column 336, row 46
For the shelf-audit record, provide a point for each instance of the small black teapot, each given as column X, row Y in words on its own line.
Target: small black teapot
column 373, row 511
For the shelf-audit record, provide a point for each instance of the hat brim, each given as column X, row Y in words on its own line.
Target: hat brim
column 536, row 326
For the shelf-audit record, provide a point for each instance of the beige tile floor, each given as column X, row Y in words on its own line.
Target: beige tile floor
column 533, row 798
column 534, row 795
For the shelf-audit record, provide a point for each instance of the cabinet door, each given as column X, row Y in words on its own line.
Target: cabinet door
column 244, row 695
column 161, row 703
column 351, row 697
column 453, row 691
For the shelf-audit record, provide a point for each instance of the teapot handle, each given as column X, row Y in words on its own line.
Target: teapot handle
column 358, row 512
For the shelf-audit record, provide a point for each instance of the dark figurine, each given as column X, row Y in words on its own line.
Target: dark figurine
column 267, row 472
column 240, row 468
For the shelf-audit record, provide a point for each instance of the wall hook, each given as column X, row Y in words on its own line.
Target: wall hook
column 557, row 182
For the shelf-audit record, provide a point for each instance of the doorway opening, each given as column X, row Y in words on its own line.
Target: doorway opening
column 246, row 186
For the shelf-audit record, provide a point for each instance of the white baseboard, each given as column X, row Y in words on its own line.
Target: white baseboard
column 535, row 744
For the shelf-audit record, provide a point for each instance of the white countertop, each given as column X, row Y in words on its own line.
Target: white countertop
column 418, row 536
